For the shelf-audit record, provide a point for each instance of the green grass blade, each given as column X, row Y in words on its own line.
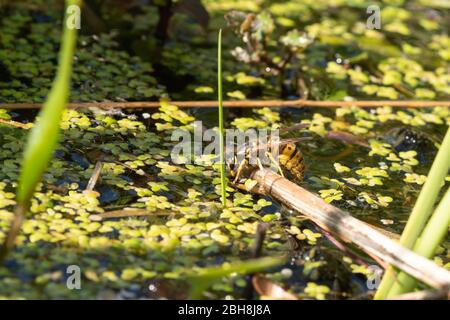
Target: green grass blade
column 431, row 237
column 223, row 178
column 44, row 135
column 422, row 209
column 204, row 278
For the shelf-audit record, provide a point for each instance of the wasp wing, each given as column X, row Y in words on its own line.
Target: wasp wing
column 278, row 143
column 295, row 127
column 284, row 142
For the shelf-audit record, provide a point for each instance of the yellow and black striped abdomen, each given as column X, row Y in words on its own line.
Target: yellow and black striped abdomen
column 292, row 162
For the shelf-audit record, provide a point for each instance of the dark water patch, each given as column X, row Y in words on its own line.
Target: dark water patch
column 108, row 194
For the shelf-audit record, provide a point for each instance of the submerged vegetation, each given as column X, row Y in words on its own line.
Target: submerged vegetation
column 154, row 228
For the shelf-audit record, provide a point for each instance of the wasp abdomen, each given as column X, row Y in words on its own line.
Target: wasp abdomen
column 292, row 162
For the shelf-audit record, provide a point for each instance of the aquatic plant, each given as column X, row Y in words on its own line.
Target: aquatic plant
column 430, row 239
column 98, row 57
column 44, row 135
column 223, row 181
column 256, row 32
column 150, row 222
column 414, row 229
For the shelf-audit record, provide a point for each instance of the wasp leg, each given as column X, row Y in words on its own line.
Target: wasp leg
column 256, row 189
column 269, row 155
column 240, row 186
column 259, row 164
column 239, row 170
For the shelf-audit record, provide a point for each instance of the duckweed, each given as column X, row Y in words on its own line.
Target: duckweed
column 181, row 226
column 330, row 195
column 316, row 291
column 415, row 178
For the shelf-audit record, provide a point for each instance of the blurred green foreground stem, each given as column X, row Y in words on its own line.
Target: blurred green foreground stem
column 432, row 234
column 44, row 135
column 426, row 246
column 223, row 178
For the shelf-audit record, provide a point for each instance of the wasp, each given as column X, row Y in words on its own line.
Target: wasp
column 290, row 164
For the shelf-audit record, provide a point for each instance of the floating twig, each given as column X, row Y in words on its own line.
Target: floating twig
column 344, row 248
column 15, row 124
column 95, row 175
column 256, row 250
column 347, row 137
column 243, row 104
column 126, row 213
column 350, row 229
column 261, row 230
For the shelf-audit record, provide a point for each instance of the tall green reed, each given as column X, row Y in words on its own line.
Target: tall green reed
column 429, row 241
column 223, row 178
column 44, row 135
column 421, row 212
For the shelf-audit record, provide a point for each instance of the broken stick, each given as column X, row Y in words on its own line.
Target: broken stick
column 95, row 175
column 350, row 229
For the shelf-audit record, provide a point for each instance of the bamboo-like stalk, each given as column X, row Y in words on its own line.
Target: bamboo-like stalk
column 422, row 209
column 243, row 104
column 350, row 229
column 426, row 246
column 223, row 177
column 424, row 295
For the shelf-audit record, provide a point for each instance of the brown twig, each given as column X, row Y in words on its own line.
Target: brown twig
column 95, row 175
column 126, row 213
column 244, row 104
column 14, row 229
column 261, row 230
column 256, row 250
column 344, row 248
column 14, row 124
column 350, row 229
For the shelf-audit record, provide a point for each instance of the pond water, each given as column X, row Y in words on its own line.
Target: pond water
column 150, row 223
